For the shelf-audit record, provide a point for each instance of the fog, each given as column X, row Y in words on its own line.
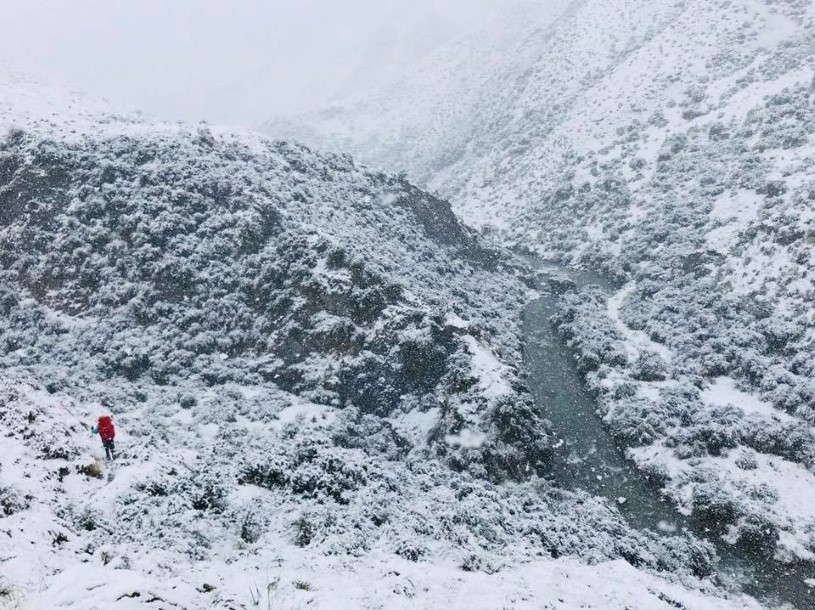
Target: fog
column 236, row 61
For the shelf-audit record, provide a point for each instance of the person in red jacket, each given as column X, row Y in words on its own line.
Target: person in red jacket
column 104, row 427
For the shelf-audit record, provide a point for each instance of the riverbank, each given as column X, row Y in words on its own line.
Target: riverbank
column 590, row 456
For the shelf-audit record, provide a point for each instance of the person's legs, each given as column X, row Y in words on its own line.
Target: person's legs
column 108, row 449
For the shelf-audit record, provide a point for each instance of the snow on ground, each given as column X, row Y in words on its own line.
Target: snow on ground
column 783, row 488
column 489, row 371
column 790, row 501
column 48, row 563
column 786, row 487
column 793, row 484
column 636, row 341
column 415, row 424
column 305, row 410
column 300, row 580
column 734, row 210
column 723, row 391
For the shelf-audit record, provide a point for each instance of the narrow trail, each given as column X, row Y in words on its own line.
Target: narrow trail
column 589, row 459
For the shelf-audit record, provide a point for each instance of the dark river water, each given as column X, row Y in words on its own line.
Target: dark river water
column 588, row 458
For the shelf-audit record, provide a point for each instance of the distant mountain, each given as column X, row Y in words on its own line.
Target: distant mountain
column 670, row 145
column 422, row 122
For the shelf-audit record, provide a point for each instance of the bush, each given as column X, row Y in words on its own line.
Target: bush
column 312, row 469
column 746, row 460
column 304, row 530
column 757, row 535
column 93, row 470
column 636, row 422
column 650, row 366
column 187, row 401
column 251, row 527
column 10, row 501
column 206, row 492
column 720, row 429
column 713, row 507
column 520, row 445
column 475, row 562
column 410, row 550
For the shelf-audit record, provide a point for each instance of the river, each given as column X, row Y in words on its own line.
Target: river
column 588, row 458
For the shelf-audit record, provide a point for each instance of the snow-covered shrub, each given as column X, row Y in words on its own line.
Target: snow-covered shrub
column 251, row 526
column 714, row 507
column 636, row 421
column 650, row 366
column 746, row 460
column 790, row 440
column 10, row 501
column 519, row 444
column 757, row 534
column 412, row 550
column 474, row 562
column 202, row 490
column 313, row 469
column 714, row 430
column 171, row 257
column 375, row 436
column 584, row 324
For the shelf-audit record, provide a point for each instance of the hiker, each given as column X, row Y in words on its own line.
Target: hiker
column 104, row 427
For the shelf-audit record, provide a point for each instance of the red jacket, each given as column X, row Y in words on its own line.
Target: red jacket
column 105, row 426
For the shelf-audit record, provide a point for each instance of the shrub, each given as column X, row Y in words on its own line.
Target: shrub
column 10, row 501
column 636, row 422
column 304, row 530
column 746, row 460
column 714, row 507
column 650, row 366
column 758, row 535
column 410, row 550
column 251, row 528
column 92, row 470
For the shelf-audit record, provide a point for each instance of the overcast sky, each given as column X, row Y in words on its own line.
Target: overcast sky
column 234, row 61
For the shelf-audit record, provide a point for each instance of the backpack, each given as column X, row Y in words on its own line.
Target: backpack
column 106, row 430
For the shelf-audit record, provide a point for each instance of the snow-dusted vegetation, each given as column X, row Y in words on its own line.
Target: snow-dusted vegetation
column 316, row 369
column 314, row 372
column 668, row 146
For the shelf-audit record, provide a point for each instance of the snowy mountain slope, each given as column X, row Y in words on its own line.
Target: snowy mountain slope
column 314, row 373
column 423, row 121
column 189, row 256
column 670, row 144
column 158, row 533
column 557, row 81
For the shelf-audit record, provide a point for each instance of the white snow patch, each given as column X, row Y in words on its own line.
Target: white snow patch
column 467, row 439
column 417, row 424
column 723, row 392
column 636, row 341
column 307, row 411
column 456, row 321
column 735, row 210
column 491, row 373
column 375, row 581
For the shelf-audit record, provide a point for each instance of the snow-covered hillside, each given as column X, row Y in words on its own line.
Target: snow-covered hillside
column 670, row 144
column 314, row 372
